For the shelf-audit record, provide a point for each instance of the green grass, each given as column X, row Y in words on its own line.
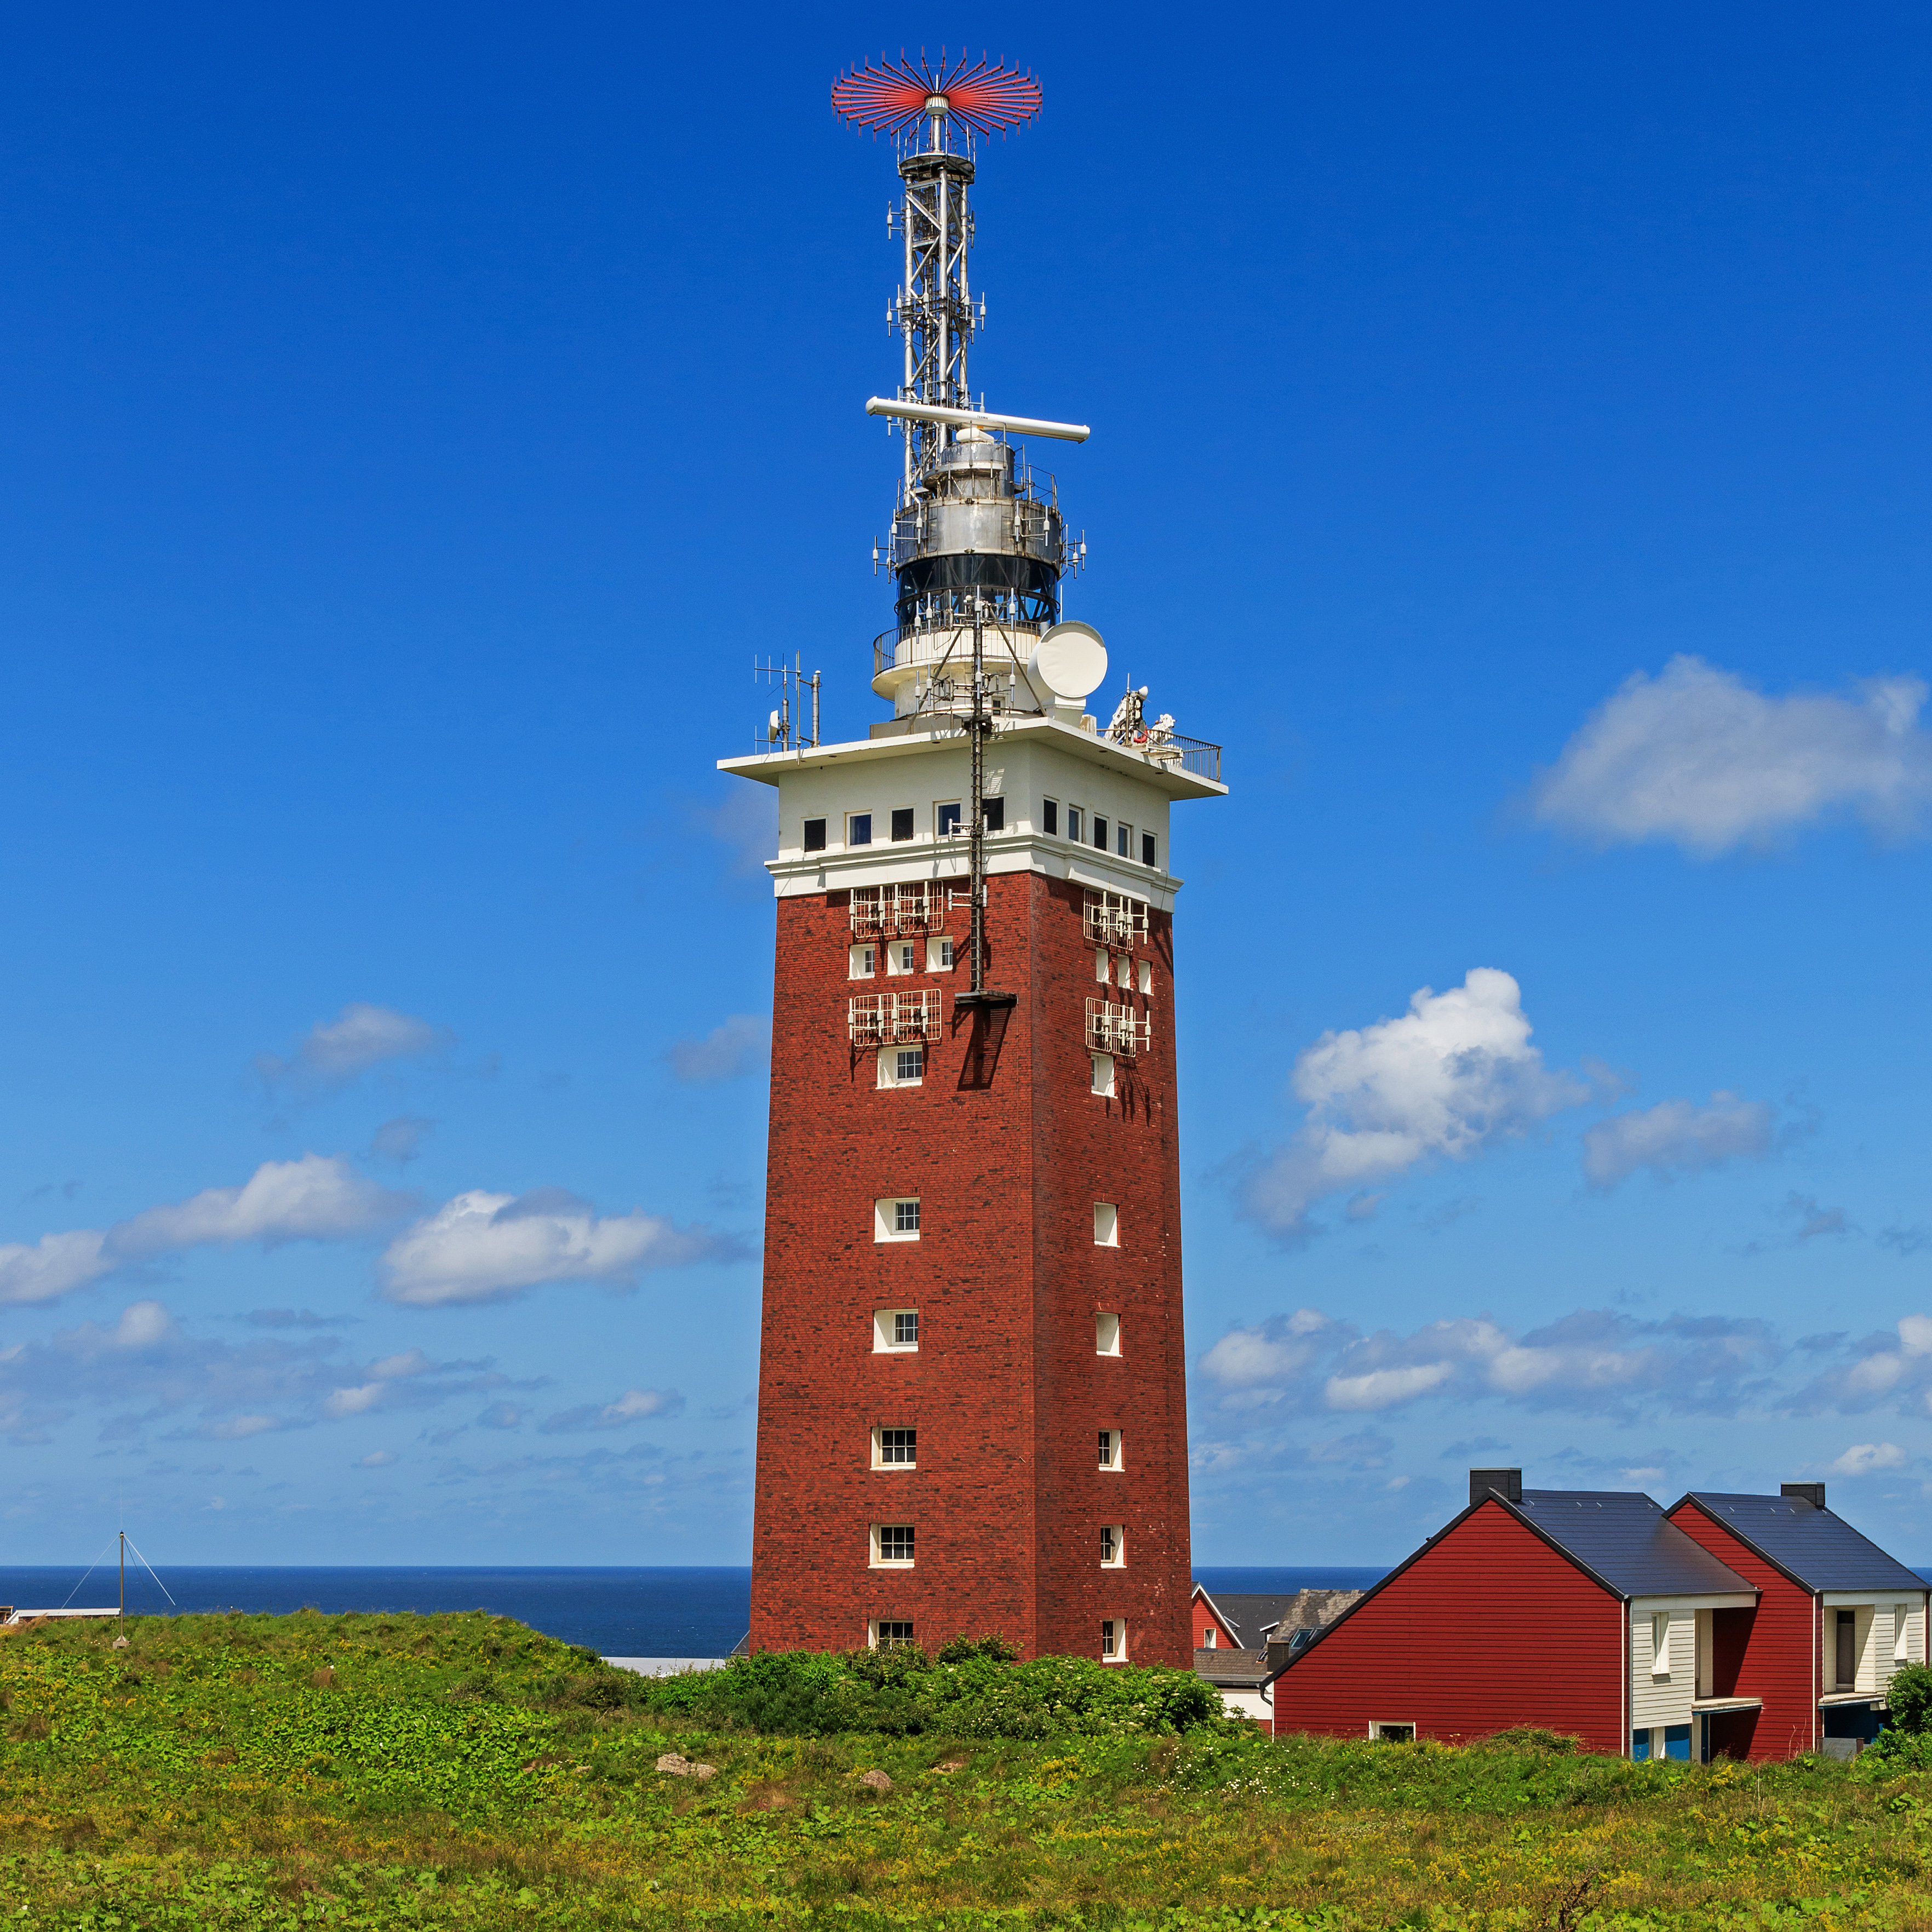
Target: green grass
column 463, row 1771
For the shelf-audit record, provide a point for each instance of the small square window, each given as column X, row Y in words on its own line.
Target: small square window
column 1113, row 1547
column 939, row 956
column 815, row 834
column 891, row 1634
column 1392, row 1734
column 947, row 817
column 901, row 823
column 896, row 1220
column 1113, row 1640
column 910, row 1064
column 902, row 955
column 1049, row 817
column 859, row 829
column 1099, row 833
column 1207, row 1637
column 895, row 1331
column 1123, row 840
column 1103, row 1074
column 1106, row 1334
column 994, row 810
column 1106, row 1224
column 1147, row 848
column 895, row 1448
column 863, row 962
column 1145, row 971
column 892, row 1543
column 1111, row 1449
column 1073, row 822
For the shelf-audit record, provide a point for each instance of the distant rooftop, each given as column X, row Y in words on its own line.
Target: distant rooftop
column 1817, row 1546
column 1623, row 1537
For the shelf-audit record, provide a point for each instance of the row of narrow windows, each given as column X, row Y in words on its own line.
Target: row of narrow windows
column 894, row 1546
column 898, row 1632
column 896, row 1218
column 899, row 1449
column 896, row 1332
column 1083, row 827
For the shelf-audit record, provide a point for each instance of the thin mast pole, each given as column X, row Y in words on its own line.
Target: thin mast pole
column 976, row 836
column 123, row 1630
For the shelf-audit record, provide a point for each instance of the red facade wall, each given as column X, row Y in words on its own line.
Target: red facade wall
column 1490, row 1627
column 1008, row 1151
column 1778, row 1661
column 1205, row 1619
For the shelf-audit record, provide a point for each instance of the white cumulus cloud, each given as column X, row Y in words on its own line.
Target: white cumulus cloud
column 360, row 1036
column 54, row 1265
column 480, row 1247
column 1453, row 1075
column 318, row 1198
column 1696, row 757
column 1676, row 1137
column 1862, row 1458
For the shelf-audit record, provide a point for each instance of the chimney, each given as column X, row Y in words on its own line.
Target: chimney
column 1813, row 1493
column 1507, row 1484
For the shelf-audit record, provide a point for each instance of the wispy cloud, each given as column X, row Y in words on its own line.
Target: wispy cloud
column 747, row 820
column 400, row 1140
column 1676, row 1137
column 634, row 1406
column 742, row 1045
column 1453, row 1075
column 1865, row 1458
column 1892, row 1371
column 1695, row 757
column 485, row 1247
column 333, row 1052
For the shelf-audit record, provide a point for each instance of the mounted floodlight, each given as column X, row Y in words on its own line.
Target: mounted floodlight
column 940, row 412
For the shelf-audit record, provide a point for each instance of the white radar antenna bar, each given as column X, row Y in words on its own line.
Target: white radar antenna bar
column 940, row 412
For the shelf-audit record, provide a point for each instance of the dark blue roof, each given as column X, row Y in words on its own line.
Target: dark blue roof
column 1626, row 1539
column 1817, row 1547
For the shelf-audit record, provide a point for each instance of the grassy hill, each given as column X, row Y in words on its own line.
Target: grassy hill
column 464, row 1772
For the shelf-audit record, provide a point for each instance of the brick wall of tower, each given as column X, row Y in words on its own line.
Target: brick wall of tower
column 1006, row 1390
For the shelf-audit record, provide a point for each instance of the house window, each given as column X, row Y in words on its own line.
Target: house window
column 939, row 956
column 1106, row 1334
column 892, row 1546
column 902, row 955
column 895, row 1448
column 896, row 1220
column 859, row 829
column 947, row 818
column 1049, row 817
column 1111, row 1449
column 1113, row 1640
column 864, row 962
column 1383, row 1733
column 1660, row 1643
column 1207, row 1638
column 1099, row 833
column 1901, row 1632
column 993, row 811
column 1147, row 848
column 901, row 823
column 1145, row 969
column 1847, row 1650
column 901, row 1066
column 1103, row 1074
column 890, row 1634
column 1106, row 1224
column 1123, row 971
column 1073, row 823
column 894, row 1331
column 1103, row 965
column 1123, row 840
column 815, row 834
column 1113, row 1547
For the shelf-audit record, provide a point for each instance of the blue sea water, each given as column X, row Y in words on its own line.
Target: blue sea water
column 680, row 1612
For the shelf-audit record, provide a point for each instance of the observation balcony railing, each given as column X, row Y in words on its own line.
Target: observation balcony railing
column 883, row 912
column 1118, row 1029
column 1113, row 918
column 893, row 1019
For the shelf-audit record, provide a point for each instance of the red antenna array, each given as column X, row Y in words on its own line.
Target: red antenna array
column 895, row 96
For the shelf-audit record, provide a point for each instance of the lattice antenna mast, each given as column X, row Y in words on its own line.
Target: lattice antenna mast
column 935, row 115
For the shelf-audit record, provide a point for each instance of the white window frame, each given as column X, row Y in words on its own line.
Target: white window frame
column 1103, row 967
column 1901, row 1633
column 889, row 1064
column 940, row 808
column 884, row 1327
column 1106, row 1333
column 862, row 961
column 1123, row 839
column 1106, row 1224
column 1076, row 825
column 1378, row 1725
column 1118, row 1532
column 879, row 1446
column 879, row 1562
column 896, row 952
column 1117, row 1452
column 1660, row 1644
column 1103, row 1074
column 941, row 956
column 872, row 1624
column 1144, row 973
column 871, row 830
column 891, row 838
column 885, row 1218
column 1052, row 809
column 1113, row 1639
column 1209, row 1641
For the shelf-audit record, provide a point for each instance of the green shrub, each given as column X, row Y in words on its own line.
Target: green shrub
column 1910, row 1697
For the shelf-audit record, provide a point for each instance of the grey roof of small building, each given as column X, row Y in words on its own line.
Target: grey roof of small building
column 1250, row 1616
column 1235, row 1670
column 1624, row 1538
column 1815, row 1547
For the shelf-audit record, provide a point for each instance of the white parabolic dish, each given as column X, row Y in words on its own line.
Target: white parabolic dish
column 1069, row 660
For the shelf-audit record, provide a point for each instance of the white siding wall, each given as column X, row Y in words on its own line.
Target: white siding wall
column 1662, row 1700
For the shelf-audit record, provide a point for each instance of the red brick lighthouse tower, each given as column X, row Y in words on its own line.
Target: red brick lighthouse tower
column 971, row 1401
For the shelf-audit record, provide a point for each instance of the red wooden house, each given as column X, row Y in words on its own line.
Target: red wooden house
column 1577, row 1610
column 1808, row 1668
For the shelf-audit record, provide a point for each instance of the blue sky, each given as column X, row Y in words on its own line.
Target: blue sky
column 1509, row 440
